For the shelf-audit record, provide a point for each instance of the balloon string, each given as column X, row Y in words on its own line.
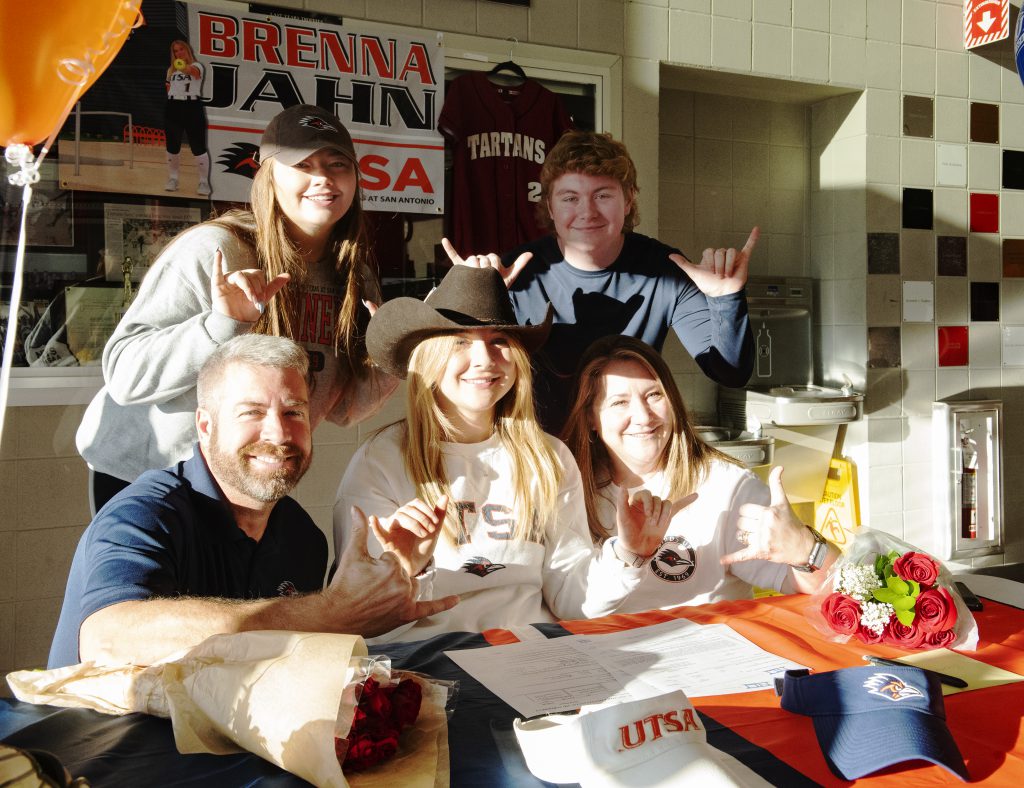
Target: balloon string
column 74, row 72
column 28, row 174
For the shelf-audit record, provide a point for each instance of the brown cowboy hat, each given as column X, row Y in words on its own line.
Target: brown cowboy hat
column 466, row 298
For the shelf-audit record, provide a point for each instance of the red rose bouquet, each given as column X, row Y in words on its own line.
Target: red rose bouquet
column 381, row 716
column 886, row 591
column 384, row 714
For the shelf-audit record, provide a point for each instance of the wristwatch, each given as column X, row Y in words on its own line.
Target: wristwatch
column 818, row 553
column 628, row 557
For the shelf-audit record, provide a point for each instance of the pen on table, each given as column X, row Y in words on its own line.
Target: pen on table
column 945, row 678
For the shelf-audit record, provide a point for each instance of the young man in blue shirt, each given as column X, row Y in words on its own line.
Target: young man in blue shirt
column 603, row 278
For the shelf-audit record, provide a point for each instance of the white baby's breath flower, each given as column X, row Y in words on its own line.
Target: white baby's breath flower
column 875, row 615
column 857, row 580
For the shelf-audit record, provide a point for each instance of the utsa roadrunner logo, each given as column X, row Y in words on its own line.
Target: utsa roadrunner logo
column 313, row 122
column 675, row 560
column 240, row 159
column 891, row 687
column 287, row 588
column 480, row 566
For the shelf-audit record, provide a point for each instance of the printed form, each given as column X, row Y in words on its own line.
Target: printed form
column 562, row 674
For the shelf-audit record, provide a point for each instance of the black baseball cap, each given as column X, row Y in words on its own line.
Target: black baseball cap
column 301, row 131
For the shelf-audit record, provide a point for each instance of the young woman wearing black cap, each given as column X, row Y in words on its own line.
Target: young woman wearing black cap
column 295, row 265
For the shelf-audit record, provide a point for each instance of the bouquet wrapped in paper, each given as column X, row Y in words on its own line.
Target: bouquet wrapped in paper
column 884, row 591
column 285, row 696
column 382, row 722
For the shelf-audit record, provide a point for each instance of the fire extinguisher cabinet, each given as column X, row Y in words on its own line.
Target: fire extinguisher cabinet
column 968, row 477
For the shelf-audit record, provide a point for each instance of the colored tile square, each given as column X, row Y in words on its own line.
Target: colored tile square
column 918, row 116
column 984, row 213
column 918, row 302
column 951, row 255
column 883, row 253
column 1013, row 346
column 1013, row 257
column 883, row 347
column 951, row 165
column 917, row 209
column 953, row 348
column 984, row 122
column 984, row 302
column 1013, row 169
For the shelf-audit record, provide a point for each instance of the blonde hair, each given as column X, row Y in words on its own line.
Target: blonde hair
column 685, row 460
column 536, row 470
column 191, row 56
column 264, row 228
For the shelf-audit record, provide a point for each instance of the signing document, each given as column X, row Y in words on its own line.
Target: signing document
column 561, row 674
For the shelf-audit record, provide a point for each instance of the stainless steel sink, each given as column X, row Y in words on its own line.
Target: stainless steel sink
column 790, row 405
column 749, row 449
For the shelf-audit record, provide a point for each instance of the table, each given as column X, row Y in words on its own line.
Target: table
column 139, row 750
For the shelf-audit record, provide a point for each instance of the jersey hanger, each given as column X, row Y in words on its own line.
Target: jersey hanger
column 509, row 65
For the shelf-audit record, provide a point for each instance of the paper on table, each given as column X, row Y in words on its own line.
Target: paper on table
column 541, row 677
column 978, row 675
column 565, row 673
column 712, row 659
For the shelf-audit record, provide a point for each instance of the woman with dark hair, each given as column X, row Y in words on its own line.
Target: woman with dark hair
column 631, row 435
column 295, row 265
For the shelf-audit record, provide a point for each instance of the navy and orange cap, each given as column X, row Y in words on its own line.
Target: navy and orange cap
column 870, row 718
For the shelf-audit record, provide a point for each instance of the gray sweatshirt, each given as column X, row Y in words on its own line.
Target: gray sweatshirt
column 144, row 416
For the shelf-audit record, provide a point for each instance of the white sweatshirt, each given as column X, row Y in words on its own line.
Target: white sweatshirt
column 685, row 569
column 501, row 582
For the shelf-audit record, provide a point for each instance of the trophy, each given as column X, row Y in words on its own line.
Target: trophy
column 126, row 272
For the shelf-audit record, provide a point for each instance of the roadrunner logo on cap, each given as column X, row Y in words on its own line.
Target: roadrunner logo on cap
column 891, row 687
column 316, row 123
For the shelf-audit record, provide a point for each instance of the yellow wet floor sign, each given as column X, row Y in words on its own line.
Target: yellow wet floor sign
column 837, row 514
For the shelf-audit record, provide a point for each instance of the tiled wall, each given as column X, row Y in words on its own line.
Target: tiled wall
column 862, row 246
column 44, row 508
column 726, row 165
column 858, row 163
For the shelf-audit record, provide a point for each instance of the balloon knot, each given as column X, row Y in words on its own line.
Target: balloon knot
column 20, row 155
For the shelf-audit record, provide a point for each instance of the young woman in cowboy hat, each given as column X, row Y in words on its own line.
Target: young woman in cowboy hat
column 296, row 265
column 629, row 430
column 467, row 491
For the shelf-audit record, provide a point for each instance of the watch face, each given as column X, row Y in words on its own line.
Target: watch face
column 818, row 555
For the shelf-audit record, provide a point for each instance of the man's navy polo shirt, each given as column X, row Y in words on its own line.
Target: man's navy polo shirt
column 171, row 533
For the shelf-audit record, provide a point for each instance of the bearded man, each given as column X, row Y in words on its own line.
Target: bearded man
column 214, row 544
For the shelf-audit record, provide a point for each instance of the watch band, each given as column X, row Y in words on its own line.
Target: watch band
column 817, row 555
column 628, row 557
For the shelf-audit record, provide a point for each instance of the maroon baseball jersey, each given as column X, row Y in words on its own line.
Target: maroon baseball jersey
column 500, row 136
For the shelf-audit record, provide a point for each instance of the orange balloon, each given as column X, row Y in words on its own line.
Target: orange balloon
column 49, row 57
